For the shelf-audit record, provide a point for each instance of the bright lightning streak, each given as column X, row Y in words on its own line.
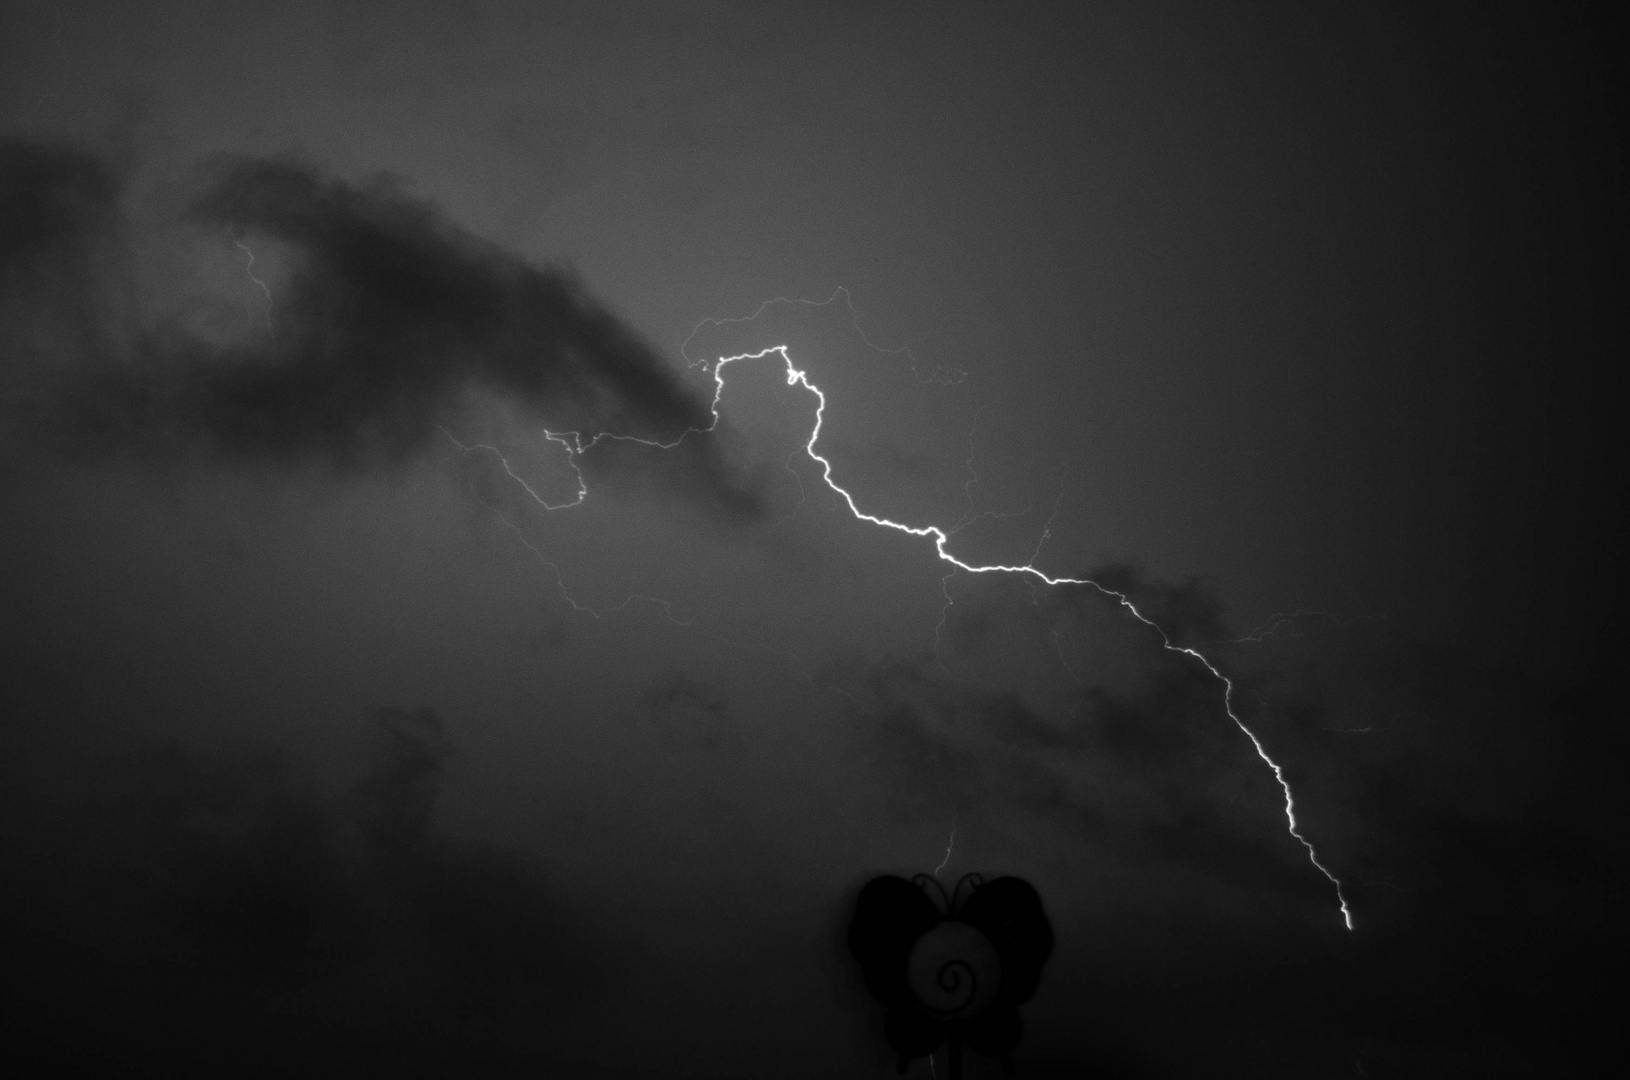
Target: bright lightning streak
column 941, row 538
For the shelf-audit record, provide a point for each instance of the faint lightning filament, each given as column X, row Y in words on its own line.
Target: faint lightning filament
column 949, row 844
column 249, row 268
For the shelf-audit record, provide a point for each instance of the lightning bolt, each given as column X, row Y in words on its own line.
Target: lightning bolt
column 949, row 844
column 547, row 563
column 249, row 268
column 941, row 538
column 582, row 488
column 574, row 444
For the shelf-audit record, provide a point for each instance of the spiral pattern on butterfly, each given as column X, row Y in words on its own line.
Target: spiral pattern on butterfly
column 954, row 971
column 959, row 981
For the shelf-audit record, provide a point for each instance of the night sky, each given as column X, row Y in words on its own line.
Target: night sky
column 424, row 654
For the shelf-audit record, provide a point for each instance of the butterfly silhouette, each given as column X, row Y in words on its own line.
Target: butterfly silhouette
column 952, row 967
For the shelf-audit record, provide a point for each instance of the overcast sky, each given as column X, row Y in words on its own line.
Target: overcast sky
column 425, row 651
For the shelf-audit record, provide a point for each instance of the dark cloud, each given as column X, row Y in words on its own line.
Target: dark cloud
column 390, row 322
column 197, row 912
column 1147, row 770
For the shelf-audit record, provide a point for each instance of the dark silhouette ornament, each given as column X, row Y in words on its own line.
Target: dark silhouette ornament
column 951, row 968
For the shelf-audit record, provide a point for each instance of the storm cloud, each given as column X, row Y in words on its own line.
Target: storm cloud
column 390, row 324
